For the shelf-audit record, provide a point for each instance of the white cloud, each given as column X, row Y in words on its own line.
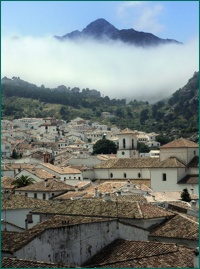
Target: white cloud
column 116, row 70
column 143, row 16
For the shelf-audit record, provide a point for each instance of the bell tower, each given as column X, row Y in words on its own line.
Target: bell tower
column 127, row 144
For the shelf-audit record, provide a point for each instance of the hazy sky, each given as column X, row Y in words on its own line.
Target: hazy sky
column 117, row 70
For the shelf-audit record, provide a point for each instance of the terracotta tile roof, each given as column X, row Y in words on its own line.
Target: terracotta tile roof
column 8, row 262
column 128, row 131
column 16, row 201
column 49, row 185
column 163, row 196
column 6, row 182
column 180, row 226
column 171, row 162
column 137, row 254
column 17, row 166
column 182, row 204
column 84, row 184
column 143, row 183
column 41, row 173
column 180, row 143
column 70, row 195
column 100, row 208
column 85, row 195
column 189, row 179
column 63, row 170
column 128, row 163
column 12, row 241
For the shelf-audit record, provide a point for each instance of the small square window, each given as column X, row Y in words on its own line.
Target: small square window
column 164, row 177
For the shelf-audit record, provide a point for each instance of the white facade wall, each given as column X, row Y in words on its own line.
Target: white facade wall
column 8, row 173
column 11, row 228
column 124, row 173
column 183, row 154
column 77, row 243
column 195, row 188
column 157, row 183
column 193, row 171
column 39, row 194
column 51, row 129
column 71, row 179
column 18, row 216
column 6, row 150
column 26, row 173
column 146, row 223
column 173, row 175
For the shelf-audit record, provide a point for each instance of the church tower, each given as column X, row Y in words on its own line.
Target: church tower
column 127, row 144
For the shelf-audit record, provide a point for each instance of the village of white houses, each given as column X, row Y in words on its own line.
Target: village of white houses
column 79, row 209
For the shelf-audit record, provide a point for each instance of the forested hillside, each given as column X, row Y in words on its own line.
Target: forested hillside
column 177, row 116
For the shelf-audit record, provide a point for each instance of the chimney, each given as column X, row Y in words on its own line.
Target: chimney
column 96, row 193
column 107, row 197
column 193, row 205
column 196, row 258
column 76, row 188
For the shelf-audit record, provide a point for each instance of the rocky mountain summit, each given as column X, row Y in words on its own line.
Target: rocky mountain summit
column 102, row 30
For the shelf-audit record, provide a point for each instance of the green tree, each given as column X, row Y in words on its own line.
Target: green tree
column 142, row 148
column 104, row 146
column 15, row 155
column 144, row 115
column 22, row 181
column 185, row 196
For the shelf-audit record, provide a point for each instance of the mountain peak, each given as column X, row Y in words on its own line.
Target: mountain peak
column 101, row 29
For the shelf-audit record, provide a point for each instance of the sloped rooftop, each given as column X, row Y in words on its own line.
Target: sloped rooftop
column 189, row 179
column 16, row 201
column 100, row 208
column 128, row 163
column 180, row 143
column 142, row 254
column 63, row 170
column 171, row 162
column 180, row 226
column 6, row 182
column 49, row 185
column 8, row 262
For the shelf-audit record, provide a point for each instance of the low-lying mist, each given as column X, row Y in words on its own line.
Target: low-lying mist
column 115, row 69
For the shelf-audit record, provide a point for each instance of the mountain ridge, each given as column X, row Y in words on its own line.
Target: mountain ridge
column 176, row 116
column 102, row 30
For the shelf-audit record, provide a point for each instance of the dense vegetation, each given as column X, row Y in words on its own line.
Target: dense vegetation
column 175, row 116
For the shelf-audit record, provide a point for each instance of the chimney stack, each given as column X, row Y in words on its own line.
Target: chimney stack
column 193, row 205
column 76, row 188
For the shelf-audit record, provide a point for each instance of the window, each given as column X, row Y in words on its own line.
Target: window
column 124, row 175
column 26, row 194
column 139, row 175
column 124, row 143
column 44, row 196
column 35, row 195
column 194, row 152
column 29, row 218
column 123, row 152
column 111, row 175
column 164, row 177
column 52, row 194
